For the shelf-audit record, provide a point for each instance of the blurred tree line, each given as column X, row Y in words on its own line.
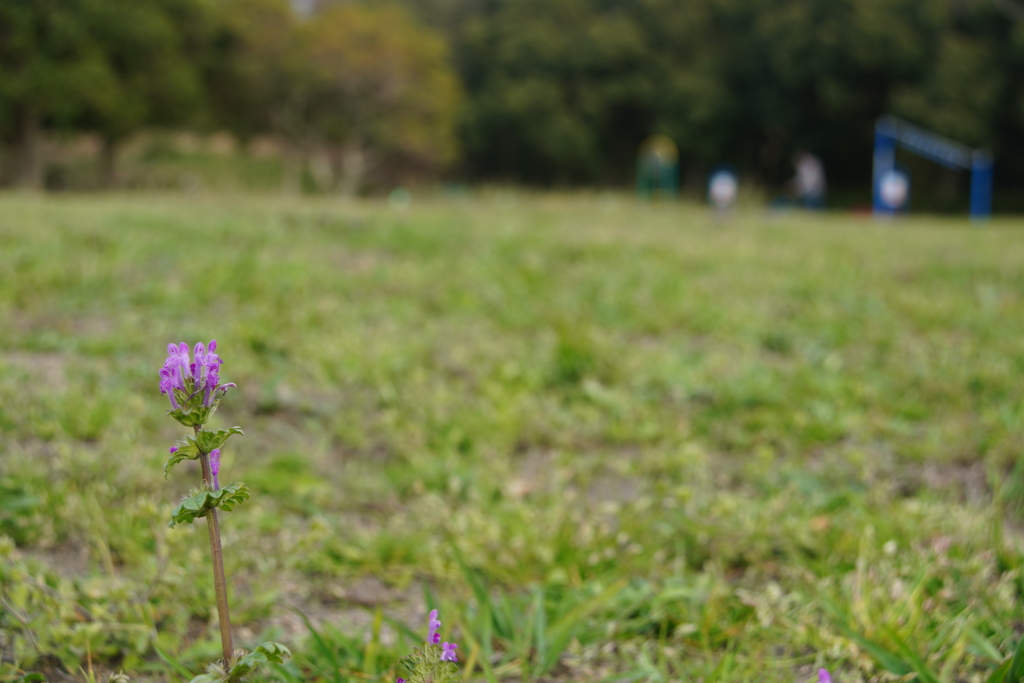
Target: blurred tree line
column 517, row 90
column 341, row 87
column 567, row 90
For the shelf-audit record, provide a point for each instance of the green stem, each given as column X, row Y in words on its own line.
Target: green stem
column 217, row 555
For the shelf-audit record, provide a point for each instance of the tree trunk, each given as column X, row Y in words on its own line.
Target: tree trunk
column 28, row 153
column 108, row 162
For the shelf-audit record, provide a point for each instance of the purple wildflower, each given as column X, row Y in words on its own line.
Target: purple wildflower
column 433, row 637
column 400, row 680
column 215, row 467
column 173, row 450
column 195, row 376
column 824, row 676
column 448, row 654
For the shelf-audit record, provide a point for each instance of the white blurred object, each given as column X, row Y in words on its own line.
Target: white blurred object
column 894, row 189
column 810, row 175
column 723, row 189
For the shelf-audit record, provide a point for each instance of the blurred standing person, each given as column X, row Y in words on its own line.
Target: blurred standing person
column 809, row 182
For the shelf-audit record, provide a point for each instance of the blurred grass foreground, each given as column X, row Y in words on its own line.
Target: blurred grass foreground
column 609, row 440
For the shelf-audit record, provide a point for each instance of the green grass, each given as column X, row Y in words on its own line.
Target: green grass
column 608, row 440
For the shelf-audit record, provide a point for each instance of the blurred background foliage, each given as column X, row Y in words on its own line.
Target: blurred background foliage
column 361, row 94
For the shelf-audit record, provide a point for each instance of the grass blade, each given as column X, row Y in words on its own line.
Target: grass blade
column 999, row 675
column 1016, row 672
column 175, row 666
column 924, row 673
column 563, row 630
column 540, row 631
column 286, row 673
column 983, row 646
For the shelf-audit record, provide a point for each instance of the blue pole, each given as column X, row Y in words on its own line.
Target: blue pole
column 981, row 186
column 885, row 160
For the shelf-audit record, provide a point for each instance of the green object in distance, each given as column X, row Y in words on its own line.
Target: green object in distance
column 657, row 168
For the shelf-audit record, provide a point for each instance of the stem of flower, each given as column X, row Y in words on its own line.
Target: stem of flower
column 217, row 555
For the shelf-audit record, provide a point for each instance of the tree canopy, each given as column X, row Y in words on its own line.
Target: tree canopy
column 519, row 90
column 566, row 91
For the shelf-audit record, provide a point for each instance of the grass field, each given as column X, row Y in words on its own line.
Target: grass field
column 609, row 440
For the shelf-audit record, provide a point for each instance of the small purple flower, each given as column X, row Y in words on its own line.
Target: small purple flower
column 215, row 467
column 448, row 654
column 433, row 637
column 824, row 676
column 400, row 680
column 196, row 376
column 173, row 450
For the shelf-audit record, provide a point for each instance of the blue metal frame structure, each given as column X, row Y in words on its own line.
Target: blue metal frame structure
column 891, row 132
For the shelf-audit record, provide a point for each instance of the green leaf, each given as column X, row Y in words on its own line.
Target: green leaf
column 198, row 504
column 187, row 450
column 207, row 441
column 275, row 652
column 194, row 417
column 263, row 654
column 425, row 666
column 983, row 646
column 1016, row 672
column 208, row 678
column 999, row 675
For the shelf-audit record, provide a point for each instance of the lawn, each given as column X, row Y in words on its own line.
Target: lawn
column 606, row 439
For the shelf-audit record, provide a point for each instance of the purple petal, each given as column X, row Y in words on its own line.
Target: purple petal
column 215, row 467
column 174, row 449
column 448, row 654
column 824, row 676
column 432, row 636
column 213, row 345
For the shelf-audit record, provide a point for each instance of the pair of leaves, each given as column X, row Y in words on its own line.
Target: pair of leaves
column 263, row 654
column 425, row 666
column 193, row 417
column 199, row 504
column 189, row 448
